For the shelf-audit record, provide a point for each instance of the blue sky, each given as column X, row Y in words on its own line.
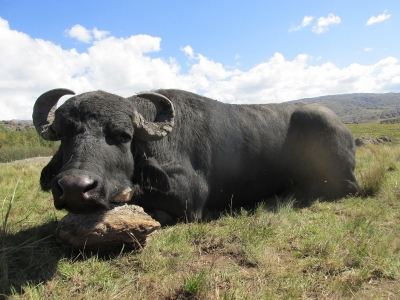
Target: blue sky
column 233, row 51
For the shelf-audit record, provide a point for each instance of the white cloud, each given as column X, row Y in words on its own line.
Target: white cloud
column 85, row 35
column 188, row 51
column 99, row 34
column 379, row 18
column 210, row 69
column 80, row 33
column 205, row 70
column 367, row 49
column 324, row 23
column 123, row 66
column 306, row 21
column 280, row 80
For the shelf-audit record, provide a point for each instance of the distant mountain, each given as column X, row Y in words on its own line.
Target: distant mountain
column 351, row 109
column 17, row 124
column 360, row 108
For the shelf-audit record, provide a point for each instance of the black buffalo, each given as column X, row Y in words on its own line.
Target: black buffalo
column 176, row 153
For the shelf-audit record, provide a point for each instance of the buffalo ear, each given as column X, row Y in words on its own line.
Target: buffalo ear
column 51, row 170
column 152, row 176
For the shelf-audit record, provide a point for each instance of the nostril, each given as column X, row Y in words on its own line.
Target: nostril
column 90, row 187
column 86, row 193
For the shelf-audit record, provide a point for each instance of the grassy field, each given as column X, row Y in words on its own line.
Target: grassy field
column 375, row 130
column 348, row 249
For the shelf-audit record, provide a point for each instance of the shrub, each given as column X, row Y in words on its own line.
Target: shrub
column 23, row 144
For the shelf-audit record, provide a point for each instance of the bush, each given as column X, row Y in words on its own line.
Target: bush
column 26, row 137
column 8, row 154
column 23, row 144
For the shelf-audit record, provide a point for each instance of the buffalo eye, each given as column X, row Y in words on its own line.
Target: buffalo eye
column 118, row 138
column 124, row 137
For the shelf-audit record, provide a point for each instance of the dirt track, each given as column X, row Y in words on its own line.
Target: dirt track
column 39, row 159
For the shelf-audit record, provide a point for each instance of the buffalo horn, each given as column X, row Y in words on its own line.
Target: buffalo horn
column 43, row 112
column 163, row 123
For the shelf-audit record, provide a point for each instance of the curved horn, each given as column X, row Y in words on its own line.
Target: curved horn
column 43, row 112
column 162, row 125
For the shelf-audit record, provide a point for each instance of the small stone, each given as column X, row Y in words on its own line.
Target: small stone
column 386, row 139
column 125, row 226
column 362, row 141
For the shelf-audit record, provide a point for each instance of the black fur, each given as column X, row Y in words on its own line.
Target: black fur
column 217, row 153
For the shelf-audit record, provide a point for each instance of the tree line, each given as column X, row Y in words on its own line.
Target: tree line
column 25, row 138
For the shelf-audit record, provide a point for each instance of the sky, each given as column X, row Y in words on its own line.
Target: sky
column 237, row 51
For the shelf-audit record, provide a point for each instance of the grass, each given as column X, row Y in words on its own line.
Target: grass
column 375, row 130
column 348, row 249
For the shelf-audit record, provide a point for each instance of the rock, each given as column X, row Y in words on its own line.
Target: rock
column 385, row 139
column 127, row 226
column 362, row 141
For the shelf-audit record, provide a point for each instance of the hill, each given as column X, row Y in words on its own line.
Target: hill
column 17, row 125
column 360, row 108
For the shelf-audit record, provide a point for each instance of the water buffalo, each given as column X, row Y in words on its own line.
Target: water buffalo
column 176, row 153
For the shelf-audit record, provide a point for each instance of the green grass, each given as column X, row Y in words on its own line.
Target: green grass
column 347, row 249
column 375, row 130
column 390, row 121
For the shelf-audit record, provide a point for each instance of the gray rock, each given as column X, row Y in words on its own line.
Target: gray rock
column 362, row 141
column 385, row 139
column 127, row 226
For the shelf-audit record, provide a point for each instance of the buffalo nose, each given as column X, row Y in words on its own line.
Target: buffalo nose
column 76, row 188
